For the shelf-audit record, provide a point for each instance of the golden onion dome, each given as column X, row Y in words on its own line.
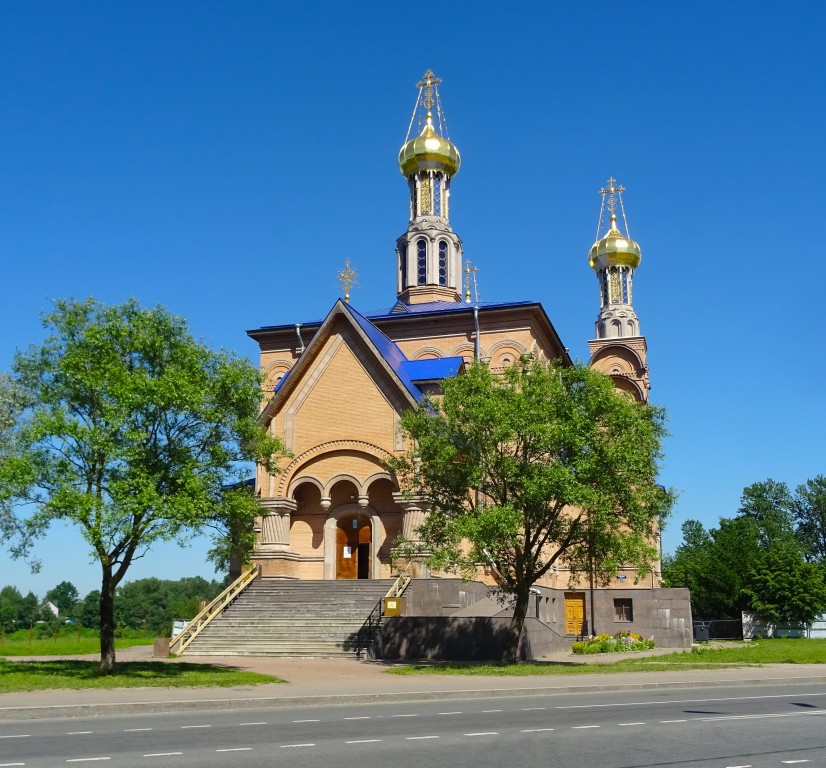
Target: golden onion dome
column 614, row 250
column 429, row 150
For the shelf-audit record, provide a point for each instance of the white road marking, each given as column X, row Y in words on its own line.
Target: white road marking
column 535, row 730
column 673, row 721
column 16, row 736
column 234, row 749
column 405, row 715
column 792, row 762
column 291, row 746
column 448, row 713
column 531, row 709
column 10, row 764
column 196, row 726
column 580, row 727
column 488, row 711
column 363, row 717
column 134, row 730
column 739, row 766
column 483, row 733
column 691, row 701
column 87, row 759
column 630, row 723
column 362, row 741
column 163, row 754
column 251, row 723
column 306, row 721
column 419, row 738
column 763, row 717
column 78, row 733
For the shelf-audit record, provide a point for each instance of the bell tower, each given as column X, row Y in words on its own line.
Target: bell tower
column 429, row 253
column 618, row 349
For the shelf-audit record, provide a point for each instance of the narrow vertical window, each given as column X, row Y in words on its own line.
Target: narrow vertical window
column 421, row 262
column 625, row 291
column 437, row 195
column 442, row 262
column 603, row 286
column 403, row 264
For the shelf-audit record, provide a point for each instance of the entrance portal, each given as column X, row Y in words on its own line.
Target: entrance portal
column 575, row 613
column 353, row 537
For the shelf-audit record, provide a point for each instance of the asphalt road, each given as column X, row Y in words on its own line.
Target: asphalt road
column 762, row 727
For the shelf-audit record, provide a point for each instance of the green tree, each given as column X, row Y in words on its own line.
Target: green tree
column 65, row 597
column 784, row 588
column 532, row 466
column 89, row 609
column 136, row 433
column 809, row 508
column 11, row 607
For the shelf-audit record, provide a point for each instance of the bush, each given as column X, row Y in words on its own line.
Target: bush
column 621, row 642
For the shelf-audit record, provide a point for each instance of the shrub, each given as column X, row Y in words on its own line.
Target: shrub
column 621, row 642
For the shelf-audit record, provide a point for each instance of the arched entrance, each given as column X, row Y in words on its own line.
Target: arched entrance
column 354, row 537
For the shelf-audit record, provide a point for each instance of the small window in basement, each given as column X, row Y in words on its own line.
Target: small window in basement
column 623, row 609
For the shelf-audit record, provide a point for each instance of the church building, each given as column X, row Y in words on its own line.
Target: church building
column 335, row 388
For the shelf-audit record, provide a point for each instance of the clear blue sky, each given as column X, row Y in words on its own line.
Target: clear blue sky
column 223, row 159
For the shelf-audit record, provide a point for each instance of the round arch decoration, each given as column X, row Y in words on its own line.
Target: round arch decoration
column 620, row 350
column 284, row 480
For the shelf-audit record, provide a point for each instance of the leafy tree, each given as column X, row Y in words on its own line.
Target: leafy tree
column 11, row 607
column 89, row 609
column 769, row 505
column 136, row 433
column 64, row 596
column 784, row 588
column 560, row 466
column 155, row 603
column 809, row 508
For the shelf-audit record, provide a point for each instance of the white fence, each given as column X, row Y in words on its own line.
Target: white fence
column 754, row 627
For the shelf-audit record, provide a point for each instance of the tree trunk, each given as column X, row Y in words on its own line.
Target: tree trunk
column 107, row 622
column 520, row 609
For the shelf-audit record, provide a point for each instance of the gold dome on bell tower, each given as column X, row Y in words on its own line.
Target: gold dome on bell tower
column 613, row 249
column 430, row 150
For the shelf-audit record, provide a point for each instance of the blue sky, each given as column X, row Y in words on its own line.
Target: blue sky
column 223, row 159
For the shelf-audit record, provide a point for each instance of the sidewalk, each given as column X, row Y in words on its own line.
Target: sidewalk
column 348, row 681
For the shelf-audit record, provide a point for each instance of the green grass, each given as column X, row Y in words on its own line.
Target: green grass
column 41, row 675
column 706, row 657
column 67, row 643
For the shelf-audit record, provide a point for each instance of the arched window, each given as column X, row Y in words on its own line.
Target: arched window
column 442, row 262
column 421, row 262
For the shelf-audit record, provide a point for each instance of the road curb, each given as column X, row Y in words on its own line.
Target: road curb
column 200, row 705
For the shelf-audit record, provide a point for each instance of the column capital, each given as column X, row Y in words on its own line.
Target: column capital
column 278, row 504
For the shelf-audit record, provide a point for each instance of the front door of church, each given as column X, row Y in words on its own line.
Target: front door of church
column 354, row 535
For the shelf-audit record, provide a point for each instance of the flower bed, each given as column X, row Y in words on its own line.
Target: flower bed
column 621, row 642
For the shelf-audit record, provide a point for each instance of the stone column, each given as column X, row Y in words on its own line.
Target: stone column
column 275, row 527
column 416, row 509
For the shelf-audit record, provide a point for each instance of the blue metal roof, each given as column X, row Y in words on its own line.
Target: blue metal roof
column 400, row 309
column 433, row 370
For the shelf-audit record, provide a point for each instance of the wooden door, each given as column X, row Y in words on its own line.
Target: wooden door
column 353, row 536
column 574, row 613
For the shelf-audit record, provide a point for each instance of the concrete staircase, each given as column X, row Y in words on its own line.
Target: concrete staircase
column 274, row 617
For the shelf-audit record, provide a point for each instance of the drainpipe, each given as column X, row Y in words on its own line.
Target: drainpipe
column 476, row 323
column 298, row 333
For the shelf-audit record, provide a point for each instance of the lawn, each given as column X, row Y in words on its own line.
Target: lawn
column 40, row 675
column 759, row 652
column 67, row 643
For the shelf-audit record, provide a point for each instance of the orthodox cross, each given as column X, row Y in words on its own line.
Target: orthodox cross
column 428, row 82
column 611, row 190
column 468, row 270
column 347, row 278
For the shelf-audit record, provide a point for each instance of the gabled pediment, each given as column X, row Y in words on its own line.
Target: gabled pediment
column 387, row 363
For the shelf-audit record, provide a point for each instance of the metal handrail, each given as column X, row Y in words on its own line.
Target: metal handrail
column 204, row 617
column 373, row 620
